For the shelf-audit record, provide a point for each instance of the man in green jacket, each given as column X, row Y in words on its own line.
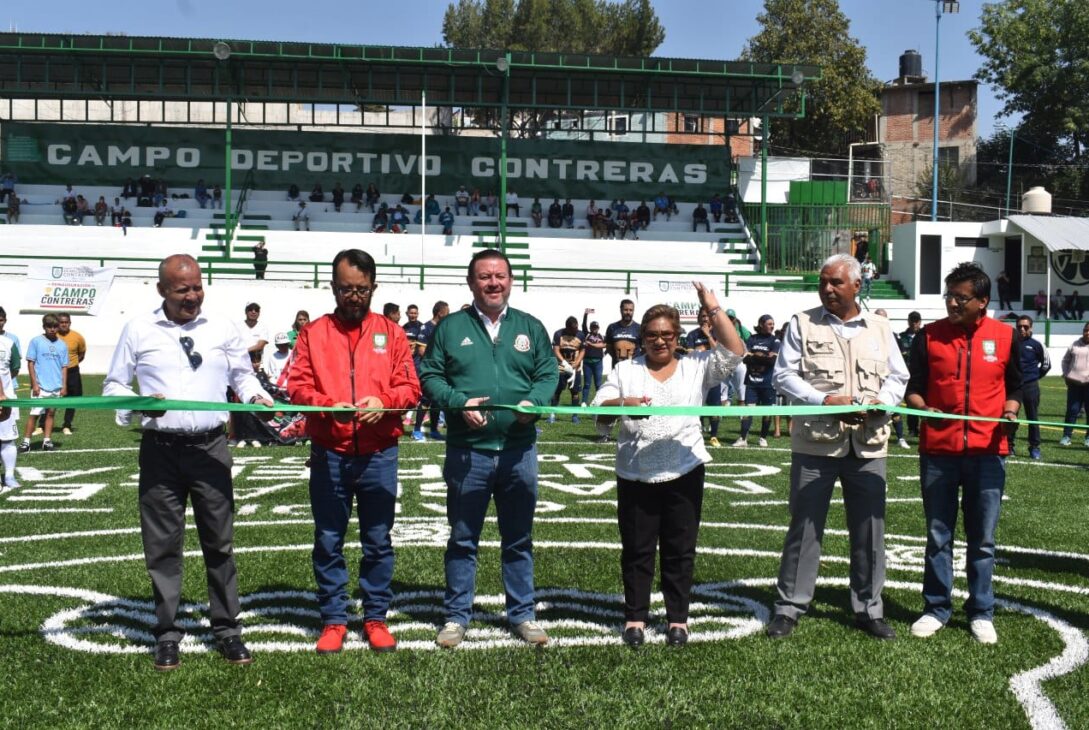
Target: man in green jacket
column 489, row 353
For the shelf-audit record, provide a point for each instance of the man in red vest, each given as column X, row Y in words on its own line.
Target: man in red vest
column 967, row 364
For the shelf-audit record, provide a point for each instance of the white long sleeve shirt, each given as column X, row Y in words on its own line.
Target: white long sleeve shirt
column 150, row 349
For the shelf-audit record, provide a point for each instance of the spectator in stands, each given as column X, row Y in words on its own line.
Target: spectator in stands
column 592, row 212
column 536, row 212
column 673, row 205
column 217, row 196
column 162, row 213
column 446, row 220
column 372, row 196
column 406, row 198
column 623, row 224
column 68, row 194
column 609, row 223
column 461, row 200
column 642, row 217
column 716, row 207
column 662, row 206
column 357, row 196
column 618, row 206
column 1040, row 302
column 292, row 192
column 68, row 211
column 380, row 222
column 254, row 333
column 491, row 204
column 596, row 220
column 7, row 186
column 126, row 221
column 147, row 192
column 1058, row 305
column 699, row 217
column 13, row 208
column 568, row 211
column 338, row 196
column 512, row 202
column 729, row 208
column 200, row 193
column 161, row 192
column 101, row 210
column 83, row 209
column 431, row 207
column 392, row 312
column 77, row 350
column 301, row 217
column 129, row 190
column 555, row 214
column 398, row 221
column 474, row 202
column 317, row 195
column 260, row 260
column 1073, row 306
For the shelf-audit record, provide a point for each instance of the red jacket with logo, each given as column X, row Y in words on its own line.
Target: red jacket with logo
column 971, row 372
column 340, row 363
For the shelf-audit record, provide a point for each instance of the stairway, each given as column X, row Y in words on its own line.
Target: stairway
column 517, row 247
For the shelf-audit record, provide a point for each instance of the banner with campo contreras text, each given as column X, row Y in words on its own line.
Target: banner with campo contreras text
column 101, row 154
column 71, row 288
column 678, row 291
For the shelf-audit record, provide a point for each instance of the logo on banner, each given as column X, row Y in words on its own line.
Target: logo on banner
column 77, row 289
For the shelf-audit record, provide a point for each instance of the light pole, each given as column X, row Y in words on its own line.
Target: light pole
column 502, row 64
column 940, row 6
column 222, row 52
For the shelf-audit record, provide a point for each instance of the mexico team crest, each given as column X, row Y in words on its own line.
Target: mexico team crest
column 521, row 343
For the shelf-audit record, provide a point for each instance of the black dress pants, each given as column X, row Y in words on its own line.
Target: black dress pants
column 663, row 517
column 74, row 383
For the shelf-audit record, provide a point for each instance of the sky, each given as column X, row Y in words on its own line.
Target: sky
column 714, row 29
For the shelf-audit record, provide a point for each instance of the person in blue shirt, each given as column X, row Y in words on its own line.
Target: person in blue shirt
column 419, row 349
column 763, row 349
column 699, row 340
column 662, row 205
column 1035, row 363
column 446, row 220
column 47, row 362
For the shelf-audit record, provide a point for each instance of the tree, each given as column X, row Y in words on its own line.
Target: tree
column 1036, row 55
column 840, row 107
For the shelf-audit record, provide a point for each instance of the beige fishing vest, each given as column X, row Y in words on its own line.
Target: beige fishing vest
column 856, row 367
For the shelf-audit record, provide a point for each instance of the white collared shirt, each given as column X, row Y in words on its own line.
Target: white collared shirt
column 150, row 349
column 489, row 325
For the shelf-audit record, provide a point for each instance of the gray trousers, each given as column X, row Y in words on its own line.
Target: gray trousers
column 811, row 482
column 171, row 472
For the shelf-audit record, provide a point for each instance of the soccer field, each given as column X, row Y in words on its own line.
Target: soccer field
column 75, row 610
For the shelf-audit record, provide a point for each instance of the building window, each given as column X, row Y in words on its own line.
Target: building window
column 733, row 126
column 618, row 124
column 971, row 242
column 691, row 123
column 949, row 156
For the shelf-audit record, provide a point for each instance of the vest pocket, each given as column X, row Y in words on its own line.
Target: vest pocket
column 870, row 374
column 875, row 429
column 822, row 429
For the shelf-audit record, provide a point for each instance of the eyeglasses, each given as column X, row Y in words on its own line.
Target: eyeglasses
column 360, row 292
column 663, row 336
column 195, row 358
column 960, row 299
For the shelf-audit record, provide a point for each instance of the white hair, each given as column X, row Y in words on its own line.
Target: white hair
column 854, row 269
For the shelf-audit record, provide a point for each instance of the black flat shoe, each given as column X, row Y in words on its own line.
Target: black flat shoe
column 234, row 651
column 781, row 627
column 677, row 636
column 166, row 656
column 875, row 627
column 633, row 637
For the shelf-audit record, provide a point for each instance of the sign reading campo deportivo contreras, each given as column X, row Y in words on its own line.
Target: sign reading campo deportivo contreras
column 88, row 154
column 63, row 287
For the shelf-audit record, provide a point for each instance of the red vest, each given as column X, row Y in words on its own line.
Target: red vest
column 967, row 375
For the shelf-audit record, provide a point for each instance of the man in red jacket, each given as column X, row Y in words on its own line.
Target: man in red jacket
column 967, row 364
column 353, row 358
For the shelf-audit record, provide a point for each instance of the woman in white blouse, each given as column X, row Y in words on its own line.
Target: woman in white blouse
column 659, row 461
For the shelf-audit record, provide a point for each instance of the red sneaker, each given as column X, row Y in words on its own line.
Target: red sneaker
column 332, row 638
column 378, row 636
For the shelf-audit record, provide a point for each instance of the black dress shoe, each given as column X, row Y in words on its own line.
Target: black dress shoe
column 677, row 636
column 234, row 651
column 875, row 627
column 781, row 627
column 166, row 656
column 633, row 637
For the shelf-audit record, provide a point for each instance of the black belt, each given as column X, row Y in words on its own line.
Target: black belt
column 180, row 438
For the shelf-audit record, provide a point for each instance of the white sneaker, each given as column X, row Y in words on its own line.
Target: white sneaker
column 904, row 444
column 762, row 443
column 983, row 631
column 926, row 626
column 255, row 444
column 740, row 443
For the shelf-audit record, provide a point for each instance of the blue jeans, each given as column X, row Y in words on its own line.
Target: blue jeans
column 1077, row 399
column 592, row 370
column 472, row 478
column 336, row 479
column 983, row 479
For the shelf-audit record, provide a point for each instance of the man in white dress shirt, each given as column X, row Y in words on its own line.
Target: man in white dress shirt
column 178, row 352
column 837, row 355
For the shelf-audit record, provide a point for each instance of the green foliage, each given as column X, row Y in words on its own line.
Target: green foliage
column 841, row 106
column 1036, row 55
column 1040, row 157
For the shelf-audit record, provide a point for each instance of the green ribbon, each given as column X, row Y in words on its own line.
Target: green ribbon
column 147, row 403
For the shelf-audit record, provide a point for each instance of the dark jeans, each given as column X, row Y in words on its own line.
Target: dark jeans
column 335, row 481
column 714, row 398
column 758, row 395
column 172, row 472
column 75, row 388
column 1030, row 400
column 982, row 479
column 1077, row 399
column 592, row 370
column 666, row 513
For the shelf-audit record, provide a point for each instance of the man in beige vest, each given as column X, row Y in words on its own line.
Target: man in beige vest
column 837, row 355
